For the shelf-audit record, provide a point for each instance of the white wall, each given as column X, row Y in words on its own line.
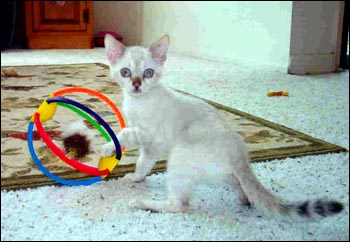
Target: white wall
column 258, row 31
column 123, row 17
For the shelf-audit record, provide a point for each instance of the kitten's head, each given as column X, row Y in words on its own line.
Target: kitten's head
column 137, row 69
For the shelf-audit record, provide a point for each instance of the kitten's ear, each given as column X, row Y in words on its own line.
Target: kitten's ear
column 160, row 48
column 114, row 49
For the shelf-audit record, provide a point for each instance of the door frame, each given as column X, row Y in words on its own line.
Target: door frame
column 316, row 37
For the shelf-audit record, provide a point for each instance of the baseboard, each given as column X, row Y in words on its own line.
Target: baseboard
column 307, row 64
column 61, row 42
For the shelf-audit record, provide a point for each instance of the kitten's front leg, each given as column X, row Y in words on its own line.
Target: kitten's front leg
column 128, row 137
column 135, row 137
column 108, row 149
column 144, row 165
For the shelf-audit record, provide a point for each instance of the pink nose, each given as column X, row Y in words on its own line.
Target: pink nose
column 136, row 82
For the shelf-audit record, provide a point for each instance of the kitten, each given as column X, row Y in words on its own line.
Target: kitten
column 196, row 141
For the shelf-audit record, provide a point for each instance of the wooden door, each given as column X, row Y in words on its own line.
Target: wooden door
column 59, row 24
column 49, row 16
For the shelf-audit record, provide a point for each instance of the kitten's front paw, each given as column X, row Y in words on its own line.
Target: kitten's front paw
column 108, row 149
column 134, row 177
column 138, row 204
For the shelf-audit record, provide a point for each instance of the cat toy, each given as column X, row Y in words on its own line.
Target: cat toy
column 280, row 93
column 47, row 110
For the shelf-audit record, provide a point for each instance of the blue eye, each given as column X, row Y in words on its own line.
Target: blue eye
column 148, row 73
column 125, row 72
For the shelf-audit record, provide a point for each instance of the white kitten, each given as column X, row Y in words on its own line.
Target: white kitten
column 196, row 141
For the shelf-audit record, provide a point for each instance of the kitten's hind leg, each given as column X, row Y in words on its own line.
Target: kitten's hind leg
column 177, row 201
column 181, row 178
column 239, row 190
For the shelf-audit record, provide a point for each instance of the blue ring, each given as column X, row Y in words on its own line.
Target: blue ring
column 49, row 174
column 93, row 114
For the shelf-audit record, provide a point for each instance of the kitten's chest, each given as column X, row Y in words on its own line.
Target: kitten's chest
column 142, row 114
column 150, row 121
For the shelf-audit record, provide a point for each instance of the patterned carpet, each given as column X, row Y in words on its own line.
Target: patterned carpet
column 24, row 91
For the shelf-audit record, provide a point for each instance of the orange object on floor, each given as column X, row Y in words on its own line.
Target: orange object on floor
column 280, row 93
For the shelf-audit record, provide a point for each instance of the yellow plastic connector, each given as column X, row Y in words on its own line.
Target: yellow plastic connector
column 107, row 162
column 46, row 111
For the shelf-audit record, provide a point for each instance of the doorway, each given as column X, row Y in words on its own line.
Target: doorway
column 344, row 54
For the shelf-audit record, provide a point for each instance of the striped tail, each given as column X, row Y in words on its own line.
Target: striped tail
column 320, row 207
column 259, row 196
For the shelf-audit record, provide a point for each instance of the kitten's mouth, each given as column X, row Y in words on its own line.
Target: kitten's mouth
column 136, row 90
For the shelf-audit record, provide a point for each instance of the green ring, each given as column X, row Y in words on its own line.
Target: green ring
column 88, row 118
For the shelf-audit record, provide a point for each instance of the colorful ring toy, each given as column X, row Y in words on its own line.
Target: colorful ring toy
column 46, row 111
